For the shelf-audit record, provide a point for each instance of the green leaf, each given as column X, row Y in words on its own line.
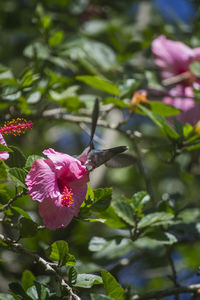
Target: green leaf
column 21, row 212
column 16, row 159
column 117, row 102
column 187, row 129
column 99, row 83
column 110, row 218
column 56, row 39
column 125, row 211
column 39, row 50
column 160, row 122
column 72, row 275
column 42, row 291
column 28, row 228
column 71, row 261
column 87, row 280
column 3, row 171
column 31, row 159
column 140, row 199
column 89, row 198
column 165, row 238
column 112, row 287
column 17, row 289
column 27, row 279
column 100, row 297
column 6, row 297
column 195, row 68
column 152, row 80
column 59, row 251
column 67, row 98
column 155, row 219
column 4, row 148
column 193, row 147
column 28, row 78
column 97, row 244
column 46, row 22
column 18, row 175
column 128, row 86
column 32, row 292
column 102, row 198
column 163, row 109
column 92, row 55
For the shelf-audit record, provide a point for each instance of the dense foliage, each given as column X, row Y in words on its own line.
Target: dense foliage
column 99, row 233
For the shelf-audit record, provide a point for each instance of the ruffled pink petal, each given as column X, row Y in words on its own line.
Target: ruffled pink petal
column 192, row 116
column 3, row 155
column 79, row 190
column 55, row 215
column 197, row 53
column 172, row 56
column 42, row 181
column 181, row 98
column 66, row 165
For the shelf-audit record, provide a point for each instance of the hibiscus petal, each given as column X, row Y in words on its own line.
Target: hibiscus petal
column 181, row 97
column 172, row 56
column 3, row 155
column 191, row 116
column 66, row 165
column 79, row 190
column 197, row 53
column 42, row 181
column 55, row 215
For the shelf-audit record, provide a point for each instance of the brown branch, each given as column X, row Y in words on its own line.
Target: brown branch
column 177, row 79
column 193, row 288
column 7, row 205
column 60, row 114
column 38, row 259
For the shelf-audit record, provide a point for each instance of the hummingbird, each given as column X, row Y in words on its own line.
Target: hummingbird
column 112, row 157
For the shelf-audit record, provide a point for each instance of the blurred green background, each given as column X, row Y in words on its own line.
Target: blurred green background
column 44, row 46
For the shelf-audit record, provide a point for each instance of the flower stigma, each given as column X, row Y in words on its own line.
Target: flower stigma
column 66, row 199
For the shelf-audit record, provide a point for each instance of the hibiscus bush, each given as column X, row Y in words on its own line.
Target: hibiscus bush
column 99, row 150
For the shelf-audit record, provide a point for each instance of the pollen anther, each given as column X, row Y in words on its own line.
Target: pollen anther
column 66, row 199
column 16, row 127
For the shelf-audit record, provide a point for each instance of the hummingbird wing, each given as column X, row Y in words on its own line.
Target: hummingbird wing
column 97, row 158
column 95, row 115
column 121, row 161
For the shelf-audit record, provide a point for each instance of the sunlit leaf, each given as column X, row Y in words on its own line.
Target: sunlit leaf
column 99, row 83
column 112, row 287
column 87, row 280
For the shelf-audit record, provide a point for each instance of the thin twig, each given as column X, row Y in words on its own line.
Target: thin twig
column 172, row 265
column 177, row 78
column 10, row 202
column 38, row 259
column 173, row 276
column 159, row 294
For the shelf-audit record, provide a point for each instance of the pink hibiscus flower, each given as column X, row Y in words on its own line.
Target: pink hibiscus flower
column 174, row 59
column 3, row 155
column 59, row 184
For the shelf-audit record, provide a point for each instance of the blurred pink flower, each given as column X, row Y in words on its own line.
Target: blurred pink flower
column 59, row 183
column 174, row 59
column 3, row 155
